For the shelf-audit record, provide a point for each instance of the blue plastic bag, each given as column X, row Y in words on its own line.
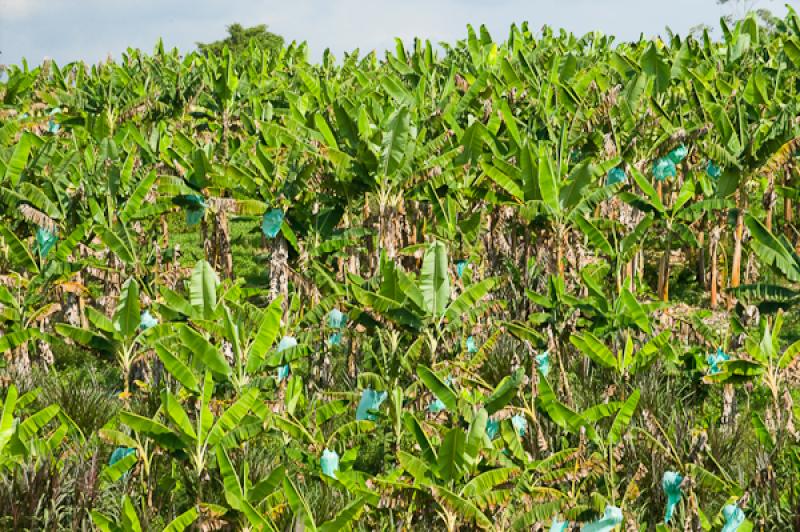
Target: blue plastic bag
column 520, row 425
column 714, row 359
column 734, row 517
column 271, row 224
column 436, row 406
column 195, row 209
column 671, row 483
column 193, row 216
column 492, row 428
column 329, row 463
column 461, row 265
column 543, row 362
column 370, row 401
column 45, row 240
column 472, row 347
column 53, row 126
column 283, row 372
column 335, row 338
column 287, row 342
column 615, row 176
column 337, row 319
column 678, row 154
column 120, row 453
column 558, row 526
column 664, row 168
column 147, row 321
column 713, row 171
column 611, row 518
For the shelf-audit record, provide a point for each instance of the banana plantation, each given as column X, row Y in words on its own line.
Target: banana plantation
column 548, row 282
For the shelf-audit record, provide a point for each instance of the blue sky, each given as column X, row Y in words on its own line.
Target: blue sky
column 93, row 29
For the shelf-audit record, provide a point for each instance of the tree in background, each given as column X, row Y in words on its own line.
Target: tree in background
column 240, row 37
column 743, row 7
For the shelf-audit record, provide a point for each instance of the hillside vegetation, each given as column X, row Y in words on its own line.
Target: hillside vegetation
column 544, row 283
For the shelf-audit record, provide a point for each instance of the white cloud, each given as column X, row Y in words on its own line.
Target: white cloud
column 15, row 9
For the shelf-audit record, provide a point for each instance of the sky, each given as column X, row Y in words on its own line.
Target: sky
column 67, row 30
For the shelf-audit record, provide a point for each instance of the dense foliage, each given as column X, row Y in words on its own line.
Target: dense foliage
column 239, row 39
column 493, row 285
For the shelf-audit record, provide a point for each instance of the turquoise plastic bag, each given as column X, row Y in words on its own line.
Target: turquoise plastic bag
column 120, row 453
column 195, row 208
column 472, row 347
column 329, row 463
column 734, row 517
column 335, row 338
column 370, row 401
column 671, row 483
column 713, row 171
column 45, row 240
column 492, row 428
column 461, row 265
column 678, row 154
column 558, row 526
column 193, row 216
column 436, row 406
column 543, row 363
column 520, row 425
column 53, row 126
column 287, row 342
column 271, row 224
column 615, row 176
column 147, row 321
column 611, row 518
column 337, row 319
column 714, row 359
column 283, row 372
column 664, row 168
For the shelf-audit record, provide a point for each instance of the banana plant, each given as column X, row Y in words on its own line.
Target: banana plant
column 456, row 475
column 209, row 315
column 672, row 218
column 629, row 359
column 776, row 252
column 121, row 336
column 424, row 301
column 768, row 365
column 196, row 437
column 128, row 521
column 21, row 439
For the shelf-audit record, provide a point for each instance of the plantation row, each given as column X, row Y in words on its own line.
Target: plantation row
column 549, row 282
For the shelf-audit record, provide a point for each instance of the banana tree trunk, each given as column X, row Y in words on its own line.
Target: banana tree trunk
column 387, row 240
column 208, row 246
column 560, row 252
column 736, row 266
column 224, row 244
column 769, row 203
column 20, row 364
column 714, row 248
column 82, row 303
column 663, row 271
column 728, row 405
column 788, row 213
column 701, row 255
column 279, row 270
column 164, row 231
